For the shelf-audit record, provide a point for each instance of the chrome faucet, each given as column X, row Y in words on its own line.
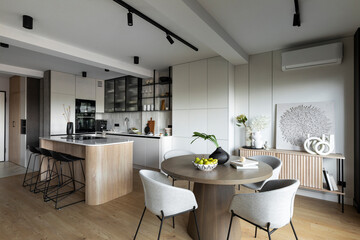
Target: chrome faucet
column 126, row 122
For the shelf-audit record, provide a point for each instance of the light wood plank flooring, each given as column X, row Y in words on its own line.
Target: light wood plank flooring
column 23, row 215
column 8, row 169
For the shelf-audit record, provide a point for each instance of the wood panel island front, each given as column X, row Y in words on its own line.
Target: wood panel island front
column 108, row 164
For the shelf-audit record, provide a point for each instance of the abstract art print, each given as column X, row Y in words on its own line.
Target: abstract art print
column 294, row 121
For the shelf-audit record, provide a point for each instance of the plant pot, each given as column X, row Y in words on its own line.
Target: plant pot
column 220, row 155
column 70, row 128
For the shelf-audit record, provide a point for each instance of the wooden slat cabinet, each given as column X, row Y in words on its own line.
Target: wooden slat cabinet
column 305, row 167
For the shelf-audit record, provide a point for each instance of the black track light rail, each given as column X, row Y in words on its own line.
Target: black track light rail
column 146, row 18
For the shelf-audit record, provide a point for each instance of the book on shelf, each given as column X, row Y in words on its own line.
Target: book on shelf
column 327, row 180
column 333, row 183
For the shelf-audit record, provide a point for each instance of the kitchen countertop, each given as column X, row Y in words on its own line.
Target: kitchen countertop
column 108, row 140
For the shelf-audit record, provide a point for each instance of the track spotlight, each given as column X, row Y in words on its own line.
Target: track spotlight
column 296, row 20
column 130, row 19
column 168, row 37
column 27, row 22
column 84, row 74
column 136, row 60
column 4, row 45
column 106, row 70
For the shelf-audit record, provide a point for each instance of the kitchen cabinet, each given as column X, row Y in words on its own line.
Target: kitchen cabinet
column 85, row 88
column 122, row 94
column 198, row 90
column 181, row 86
column 139, row 151
column 152, row 153
column 109, row 96
column 217, row 73
column 99, row 93
column 63, row 83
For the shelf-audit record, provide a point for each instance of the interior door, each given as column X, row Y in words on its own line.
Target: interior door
column 2, row 125
column 14, row 120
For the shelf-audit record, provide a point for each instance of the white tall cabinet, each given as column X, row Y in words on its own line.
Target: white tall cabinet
column 62, row 94
column 203, row 101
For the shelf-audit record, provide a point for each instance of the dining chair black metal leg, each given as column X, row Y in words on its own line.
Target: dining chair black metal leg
column 137, row 230
column 292, row 226
column 232, row 215
column 173, row 218
column 162, row 220
column 173, row 182
column 255, row 231
column 268, row 230
column 196, row 223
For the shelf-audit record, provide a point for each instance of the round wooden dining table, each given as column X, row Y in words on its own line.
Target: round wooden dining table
column 214, row 191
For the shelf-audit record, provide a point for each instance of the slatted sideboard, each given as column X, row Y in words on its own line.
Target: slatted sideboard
column 305, row 167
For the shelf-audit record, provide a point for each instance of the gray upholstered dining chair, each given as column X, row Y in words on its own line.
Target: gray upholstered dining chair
column 177, row 153
column 274, row 162
column 272, row 207
column 164, row 200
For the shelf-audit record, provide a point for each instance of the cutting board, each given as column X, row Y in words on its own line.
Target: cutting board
column 151, row 124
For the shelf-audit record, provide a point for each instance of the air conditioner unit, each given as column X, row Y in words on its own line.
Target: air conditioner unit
column 312, row 56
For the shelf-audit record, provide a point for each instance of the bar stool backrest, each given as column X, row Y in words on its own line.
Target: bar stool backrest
column 33, row 149
column 45, row 152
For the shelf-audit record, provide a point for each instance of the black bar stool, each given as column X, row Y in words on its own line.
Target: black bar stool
column 66, row 185
column 30, row 181
column 43, row 183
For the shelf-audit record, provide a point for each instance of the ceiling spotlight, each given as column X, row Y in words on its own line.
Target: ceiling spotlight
column 168, row 37
column 130, row 19
column 4, row 45
column 84, row 74
column 296, row 20
column 136, row 60
column 106, row 70
column 27, row 22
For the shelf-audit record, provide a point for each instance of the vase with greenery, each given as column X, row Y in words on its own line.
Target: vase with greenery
column 219, row 154
column 257, row 125
column 241, row 121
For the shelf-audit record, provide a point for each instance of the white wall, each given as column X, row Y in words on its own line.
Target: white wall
column 261, row 84
column 4, row 86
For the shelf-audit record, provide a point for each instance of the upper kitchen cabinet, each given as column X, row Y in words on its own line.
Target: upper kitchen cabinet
column 63, row 83
column 198, row 84
column 99, row 93
column 85, row 88
column 123, row 94
column 181, row 87
column 109, row 96
column 218, row 83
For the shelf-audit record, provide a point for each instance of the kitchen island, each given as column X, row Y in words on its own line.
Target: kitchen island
column 108, row 164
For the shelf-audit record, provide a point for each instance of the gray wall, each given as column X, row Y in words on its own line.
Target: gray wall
column 261, row 84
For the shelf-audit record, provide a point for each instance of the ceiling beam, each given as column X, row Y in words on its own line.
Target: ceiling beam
column 31, row 41
column 195, row 20
column 26, row 72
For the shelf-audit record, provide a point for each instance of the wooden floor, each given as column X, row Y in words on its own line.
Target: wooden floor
column 8, row 169
column 23, row 215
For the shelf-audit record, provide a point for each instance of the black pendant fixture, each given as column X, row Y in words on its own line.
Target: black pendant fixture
column 130, row 18
column 84, row 74
column 106, row 70
column 27, row 22
column 136, row 60
column 296, row 20
column 168, row 37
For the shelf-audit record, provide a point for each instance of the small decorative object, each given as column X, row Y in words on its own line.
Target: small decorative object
column 219, row 153
column 322, row 146
column 242, row 159
column 241, row 120
column 257, row 125
column 144, row 108
column 295, row 120
column 152, row 107
column 69, row 125
column 147, row 129
column 151, row 124
column 266, row 145
column 162, row 108
column 205, row 164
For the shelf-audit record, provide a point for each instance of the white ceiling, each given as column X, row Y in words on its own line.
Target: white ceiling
column 100, row 27
column 260, row 26
column 16, row 56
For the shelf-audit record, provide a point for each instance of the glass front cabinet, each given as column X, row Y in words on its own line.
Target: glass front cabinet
column 122, row 94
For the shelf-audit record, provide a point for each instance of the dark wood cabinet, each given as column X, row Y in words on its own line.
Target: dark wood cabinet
column 357, row 120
